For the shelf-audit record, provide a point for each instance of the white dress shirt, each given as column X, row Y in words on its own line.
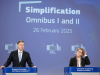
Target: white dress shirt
column 21, row 53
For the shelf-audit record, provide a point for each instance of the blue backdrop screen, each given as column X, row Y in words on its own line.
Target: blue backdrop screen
column 52, row 31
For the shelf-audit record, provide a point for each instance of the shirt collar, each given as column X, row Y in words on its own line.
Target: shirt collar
column 20, row 51
column 77, row 59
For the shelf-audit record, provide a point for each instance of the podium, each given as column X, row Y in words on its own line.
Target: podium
column 82, row 71
column 19, row 71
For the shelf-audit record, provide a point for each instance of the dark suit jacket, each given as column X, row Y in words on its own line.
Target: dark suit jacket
column 84, row 61
column 13, row 57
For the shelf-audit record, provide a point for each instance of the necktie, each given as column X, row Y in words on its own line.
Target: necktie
column 19, row 56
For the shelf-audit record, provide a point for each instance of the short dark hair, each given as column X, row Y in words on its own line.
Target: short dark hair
column 20, row 41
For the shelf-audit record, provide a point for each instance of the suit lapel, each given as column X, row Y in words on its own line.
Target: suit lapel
column 75, row 60
column 82, row 62
column 17, row 55
column 22, row 55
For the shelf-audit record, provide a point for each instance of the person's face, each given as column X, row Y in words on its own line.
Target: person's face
column 79, row 53
column 20, row 46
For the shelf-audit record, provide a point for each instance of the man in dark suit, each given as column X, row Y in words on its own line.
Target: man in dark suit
column 80, row 60
column 19, row 57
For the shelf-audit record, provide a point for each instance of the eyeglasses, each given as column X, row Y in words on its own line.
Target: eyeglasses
column 79, row 52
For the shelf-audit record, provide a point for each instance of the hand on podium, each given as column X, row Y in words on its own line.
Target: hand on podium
column 34, row 66
column 2, row 67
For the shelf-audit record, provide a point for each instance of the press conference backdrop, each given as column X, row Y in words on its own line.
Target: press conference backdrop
column 52, row 31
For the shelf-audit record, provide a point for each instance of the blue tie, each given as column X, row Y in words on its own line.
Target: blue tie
column 19, row 56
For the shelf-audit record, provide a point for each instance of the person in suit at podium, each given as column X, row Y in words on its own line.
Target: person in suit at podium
column 80, row 60
column 19, row 57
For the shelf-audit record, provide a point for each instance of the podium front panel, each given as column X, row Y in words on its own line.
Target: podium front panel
column 81, row 71
column 19, row 71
